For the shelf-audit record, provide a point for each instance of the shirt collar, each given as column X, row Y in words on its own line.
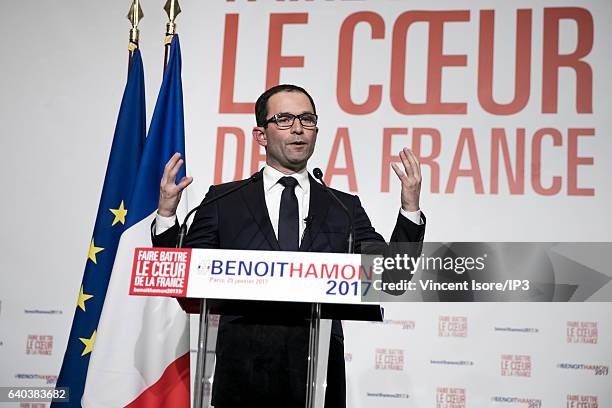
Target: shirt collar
column 271, row 177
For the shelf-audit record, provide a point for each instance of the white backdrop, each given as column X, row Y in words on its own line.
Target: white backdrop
column 63, row 71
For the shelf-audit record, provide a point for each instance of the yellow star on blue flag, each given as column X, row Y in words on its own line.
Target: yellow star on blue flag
column 83, row 297
column 93, row 250
column 89, row 343
column 119, row 214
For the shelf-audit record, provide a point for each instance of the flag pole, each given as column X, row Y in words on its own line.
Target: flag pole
column 172, row 9
column 135, row 14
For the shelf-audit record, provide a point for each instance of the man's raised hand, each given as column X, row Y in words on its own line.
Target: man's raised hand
column 410, row 179
column 169, row 191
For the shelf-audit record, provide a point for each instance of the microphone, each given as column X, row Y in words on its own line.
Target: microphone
column 319, row 176
column 183, row 229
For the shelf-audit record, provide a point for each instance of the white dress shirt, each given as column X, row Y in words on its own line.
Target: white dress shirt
column 272, row 192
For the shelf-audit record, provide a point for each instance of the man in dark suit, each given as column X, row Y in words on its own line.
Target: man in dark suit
column 261, row 362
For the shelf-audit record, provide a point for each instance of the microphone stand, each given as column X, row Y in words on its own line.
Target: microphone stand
column 350, row 249
column 312, row 388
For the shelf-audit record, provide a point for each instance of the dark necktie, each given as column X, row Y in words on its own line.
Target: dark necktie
column 288, row 220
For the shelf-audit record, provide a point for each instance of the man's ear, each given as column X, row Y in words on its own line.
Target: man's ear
column 260, row 137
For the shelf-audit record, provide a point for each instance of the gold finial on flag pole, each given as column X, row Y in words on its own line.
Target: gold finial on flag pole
column 172, row 9
column 134, row 15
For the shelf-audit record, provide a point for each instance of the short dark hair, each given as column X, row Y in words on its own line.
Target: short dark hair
column 261, row 106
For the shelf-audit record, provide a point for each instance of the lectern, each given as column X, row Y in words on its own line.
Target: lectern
column 314, row 286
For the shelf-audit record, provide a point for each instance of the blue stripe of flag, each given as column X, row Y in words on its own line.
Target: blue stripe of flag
column 166, row 136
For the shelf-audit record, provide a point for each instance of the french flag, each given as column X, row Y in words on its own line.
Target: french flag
column 141, row 352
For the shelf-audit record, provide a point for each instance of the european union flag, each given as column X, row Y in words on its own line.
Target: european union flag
column 114, row 206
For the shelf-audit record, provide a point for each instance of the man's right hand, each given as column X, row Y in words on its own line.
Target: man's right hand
column 169, row 191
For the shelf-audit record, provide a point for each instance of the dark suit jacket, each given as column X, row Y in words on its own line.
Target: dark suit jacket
column 262, row 361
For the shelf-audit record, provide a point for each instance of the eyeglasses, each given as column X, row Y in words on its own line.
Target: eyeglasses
column 285, row 120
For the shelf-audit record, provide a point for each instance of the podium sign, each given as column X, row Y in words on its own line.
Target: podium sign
column 312, row 278
column 256, row 275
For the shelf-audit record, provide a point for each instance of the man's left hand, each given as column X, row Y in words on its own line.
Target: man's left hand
column 410, row 179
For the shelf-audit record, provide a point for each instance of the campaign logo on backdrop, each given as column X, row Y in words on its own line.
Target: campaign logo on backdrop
column 43, row 311
column 404, row 324
column 39, row 344
column 452, row 326
column 450, row 397
column 525, row 330
column 452, row 362
column 392, row 395
column 582, row 401
column 526, row 402
column 597, row 369
column 514, row 365
column 389, row 359
column 582, row 332
column 47, row 378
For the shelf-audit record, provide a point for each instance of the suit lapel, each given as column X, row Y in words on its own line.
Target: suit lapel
column 318, row 208
column 255, row 200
